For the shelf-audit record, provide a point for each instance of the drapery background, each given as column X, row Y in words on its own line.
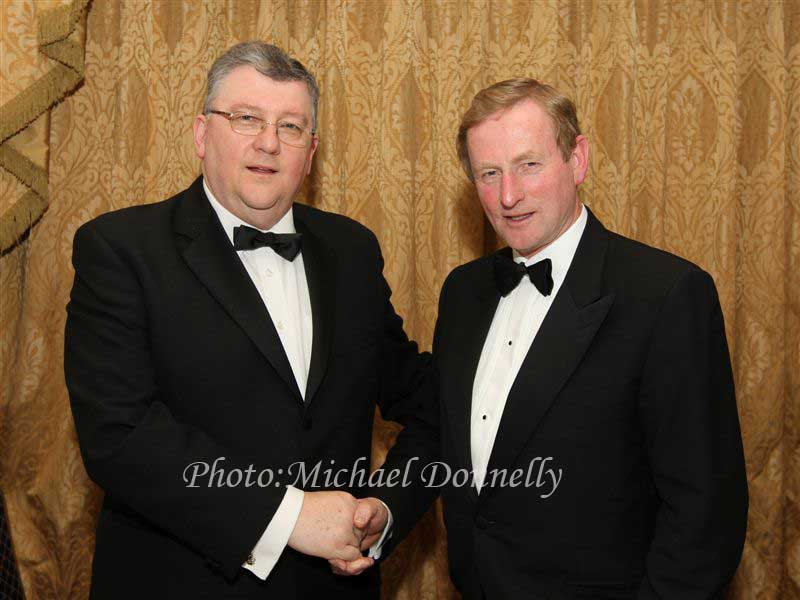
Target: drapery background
column 692, row 110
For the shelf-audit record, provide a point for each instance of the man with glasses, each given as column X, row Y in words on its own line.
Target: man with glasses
column 224, row 346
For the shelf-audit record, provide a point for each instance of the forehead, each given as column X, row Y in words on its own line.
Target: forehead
column 244, row 86
column 524, row 124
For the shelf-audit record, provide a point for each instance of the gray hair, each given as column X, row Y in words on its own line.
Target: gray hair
column 268, row 60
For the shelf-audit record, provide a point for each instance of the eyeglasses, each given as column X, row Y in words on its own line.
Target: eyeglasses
column 246, row 124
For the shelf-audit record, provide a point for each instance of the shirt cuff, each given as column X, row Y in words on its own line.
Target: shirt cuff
column 275, row 537
column 376, row 548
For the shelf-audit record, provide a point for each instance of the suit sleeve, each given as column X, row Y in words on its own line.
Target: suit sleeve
column 689, row 417
column 132, row 446
column 407, row 397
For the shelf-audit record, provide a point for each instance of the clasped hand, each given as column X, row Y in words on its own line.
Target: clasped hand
column 338, row 527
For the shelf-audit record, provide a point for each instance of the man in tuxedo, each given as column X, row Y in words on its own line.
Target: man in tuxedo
column 584, row 380
column 224, row 348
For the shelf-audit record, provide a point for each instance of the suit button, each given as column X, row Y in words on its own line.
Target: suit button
column 482, row 522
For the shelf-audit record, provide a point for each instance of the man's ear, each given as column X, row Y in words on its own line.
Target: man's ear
column 579, row 161
column 199, row 129
column 311, row 150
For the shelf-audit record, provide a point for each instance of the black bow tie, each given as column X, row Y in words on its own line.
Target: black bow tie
column 285, row 244
column 508, row 274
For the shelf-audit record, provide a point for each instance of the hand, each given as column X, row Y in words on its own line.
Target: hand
column 325, row 527
column 370, row 520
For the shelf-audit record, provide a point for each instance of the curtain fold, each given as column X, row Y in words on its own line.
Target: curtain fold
column 10, row 582
column 692, row 110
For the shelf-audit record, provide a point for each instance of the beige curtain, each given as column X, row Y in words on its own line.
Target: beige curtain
column 693, row 113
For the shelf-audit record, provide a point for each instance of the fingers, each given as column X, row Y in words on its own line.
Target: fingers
column 369, row 520
column 348, row 568
column 338, row 566
column 367, row 508
column 325, row 526
column 347, row 553
column 368, row 541
column 370, row 515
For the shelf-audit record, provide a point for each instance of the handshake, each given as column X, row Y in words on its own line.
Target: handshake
column 338, row 527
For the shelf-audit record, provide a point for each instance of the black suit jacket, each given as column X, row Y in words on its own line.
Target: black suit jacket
column 628, row 390
column 172, row 359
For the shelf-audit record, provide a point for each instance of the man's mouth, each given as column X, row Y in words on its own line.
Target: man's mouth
column 519, row 218
column 261, row 170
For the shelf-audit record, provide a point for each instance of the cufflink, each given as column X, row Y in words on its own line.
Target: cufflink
column 250, row 560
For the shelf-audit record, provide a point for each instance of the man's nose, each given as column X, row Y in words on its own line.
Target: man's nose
column 268, row 141
column 510, row 190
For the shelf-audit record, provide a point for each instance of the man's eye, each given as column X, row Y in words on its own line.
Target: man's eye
column 248, row 119
column 288, row 126
column 488, row 175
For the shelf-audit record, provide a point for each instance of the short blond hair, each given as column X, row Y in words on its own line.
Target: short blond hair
column 508, row 93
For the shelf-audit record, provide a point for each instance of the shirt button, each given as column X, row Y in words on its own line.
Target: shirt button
column 250, row 560
column 268, row 272
column 484, row 417
column 280, row 325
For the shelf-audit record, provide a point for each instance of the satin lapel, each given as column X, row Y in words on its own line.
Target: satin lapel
column 320, row 268
column 474, row 313
column 209, row 254
column 571, row 324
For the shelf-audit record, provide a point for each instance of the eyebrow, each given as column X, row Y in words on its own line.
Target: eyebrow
column 522, row 157
column 527, row 156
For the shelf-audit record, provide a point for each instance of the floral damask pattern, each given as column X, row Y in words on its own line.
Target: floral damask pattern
column 693, row 113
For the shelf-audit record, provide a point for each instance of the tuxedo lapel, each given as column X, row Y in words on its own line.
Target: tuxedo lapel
column 320, row 267
column 561, row 342
column 209, row 254
column 464, row 352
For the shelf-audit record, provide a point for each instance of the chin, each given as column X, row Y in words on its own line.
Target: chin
column 261, row 203
column 522, row 245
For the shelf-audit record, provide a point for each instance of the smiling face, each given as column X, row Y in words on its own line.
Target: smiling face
column 528, row 192
column 255, row 177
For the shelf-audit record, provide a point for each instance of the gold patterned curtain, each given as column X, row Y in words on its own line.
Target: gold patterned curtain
column 693, row 113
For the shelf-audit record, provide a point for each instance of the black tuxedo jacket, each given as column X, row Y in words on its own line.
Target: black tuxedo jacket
column 628, row 390
column 171, row 359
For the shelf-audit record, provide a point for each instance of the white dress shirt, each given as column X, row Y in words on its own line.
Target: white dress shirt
column 283, row 288
column 514, row 327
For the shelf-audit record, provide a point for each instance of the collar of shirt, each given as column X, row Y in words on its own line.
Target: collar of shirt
column 561, row 251
column 230, row 220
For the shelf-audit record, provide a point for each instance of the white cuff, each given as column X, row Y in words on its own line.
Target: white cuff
column 275, row 537
column 376, row 548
